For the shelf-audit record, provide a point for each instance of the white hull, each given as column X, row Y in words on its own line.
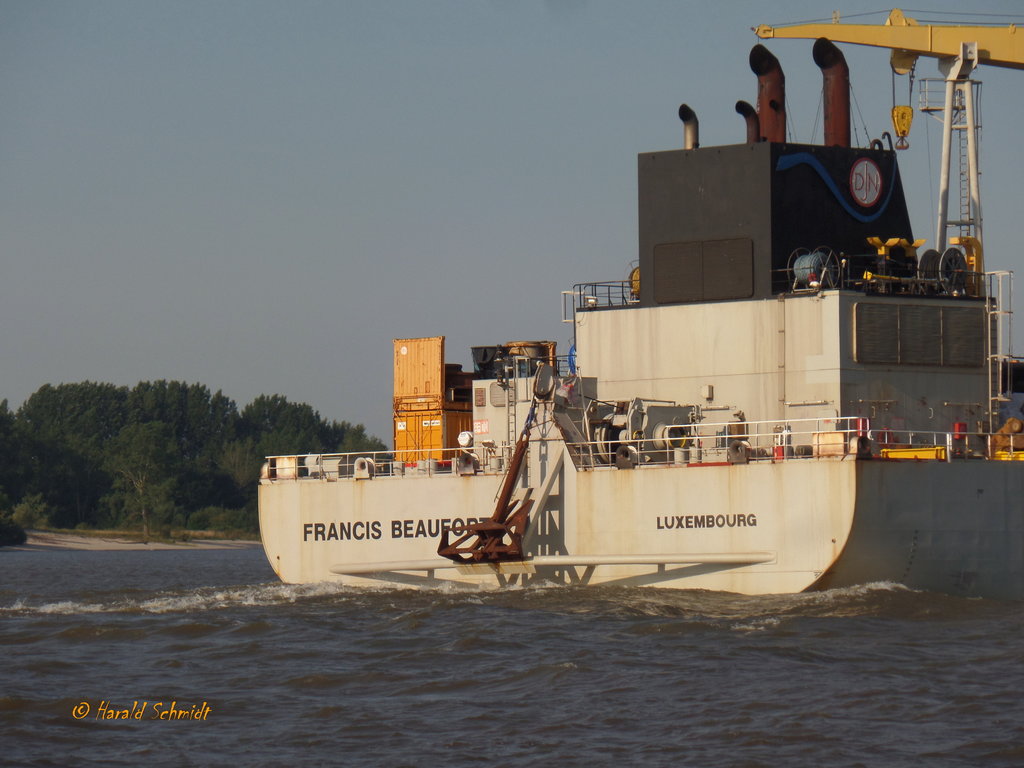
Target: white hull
column 758, row 528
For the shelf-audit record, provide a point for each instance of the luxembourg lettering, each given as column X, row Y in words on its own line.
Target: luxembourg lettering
column 672, row 522
column 373, row 530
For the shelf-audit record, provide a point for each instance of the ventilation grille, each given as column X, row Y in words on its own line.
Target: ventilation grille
column 711, row 270
column 918, row 335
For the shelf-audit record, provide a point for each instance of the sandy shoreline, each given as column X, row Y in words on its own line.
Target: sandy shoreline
column 42, row 541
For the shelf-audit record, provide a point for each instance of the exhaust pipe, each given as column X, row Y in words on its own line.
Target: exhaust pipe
column 690, row 127
column 835, row 76
column 771, row 94
column 749, row 114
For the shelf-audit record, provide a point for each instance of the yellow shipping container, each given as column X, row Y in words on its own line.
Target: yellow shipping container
column 423, row 435
column 419, row 369
column 431, row 400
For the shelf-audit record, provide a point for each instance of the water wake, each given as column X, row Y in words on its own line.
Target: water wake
column 184, row 601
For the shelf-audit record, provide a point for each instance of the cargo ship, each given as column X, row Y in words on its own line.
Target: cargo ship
column 788, row 393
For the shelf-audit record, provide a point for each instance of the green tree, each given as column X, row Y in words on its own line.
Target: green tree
column 97, row 453
column 240, row 461
column 11, row 475
column 278, row 427
column 31, row 512
column 62, row 432
column 11, row 534
column 355, row 439
column 201, row 424
column 144, row 463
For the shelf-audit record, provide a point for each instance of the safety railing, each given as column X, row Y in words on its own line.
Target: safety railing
column 817, row 438
column 601, row 295
column 871, row 274
column 481, row 459
column 731, row 442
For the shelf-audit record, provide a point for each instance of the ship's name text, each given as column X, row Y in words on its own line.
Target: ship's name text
column 373, row 530
column 672, row 522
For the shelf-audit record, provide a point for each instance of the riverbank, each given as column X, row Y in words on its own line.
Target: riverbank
column 45, row 540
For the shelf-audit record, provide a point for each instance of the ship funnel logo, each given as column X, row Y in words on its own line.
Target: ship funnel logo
column 865, row 182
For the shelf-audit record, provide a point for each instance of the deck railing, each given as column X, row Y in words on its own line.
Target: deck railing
column 703, row 444
column 369, row 464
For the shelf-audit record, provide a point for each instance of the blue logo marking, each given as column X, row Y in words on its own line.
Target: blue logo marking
column 806, row 158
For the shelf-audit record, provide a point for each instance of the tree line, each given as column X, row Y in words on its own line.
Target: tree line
column 159, row 455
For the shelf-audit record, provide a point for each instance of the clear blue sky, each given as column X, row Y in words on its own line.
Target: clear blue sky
column 259, row 196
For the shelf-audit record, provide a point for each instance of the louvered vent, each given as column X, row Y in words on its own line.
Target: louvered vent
column 890, row 334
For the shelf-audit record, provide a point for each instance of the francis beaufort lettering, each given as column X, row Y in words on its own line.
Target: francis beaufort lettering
column 374, row 530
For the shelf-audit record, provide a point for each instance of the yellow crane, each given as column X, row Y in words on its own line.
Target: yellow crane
column 959, row 49
column 997, row 46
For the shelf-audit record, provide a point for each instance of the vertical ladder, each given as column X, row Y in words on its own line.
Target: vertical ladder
column 998, row 346
column 512, row 411
column 954, row 102
column 969, row 223
column 965, row 183
column 511, row 401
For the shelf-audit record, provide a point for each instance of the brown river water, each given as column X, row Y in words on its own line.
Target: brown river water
column 197, row 658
